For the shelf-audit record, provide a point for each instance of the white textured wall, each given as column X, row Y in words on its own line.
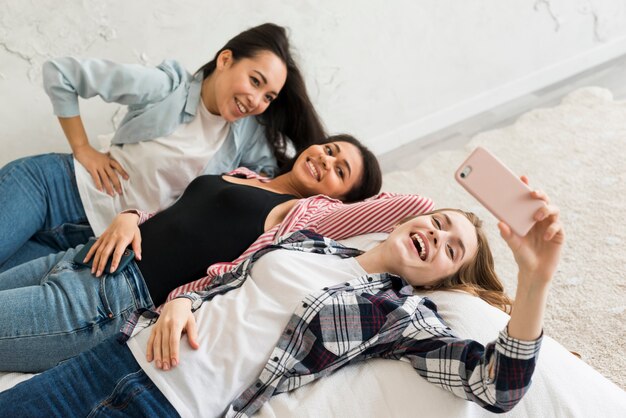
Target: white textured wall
column 387, row 71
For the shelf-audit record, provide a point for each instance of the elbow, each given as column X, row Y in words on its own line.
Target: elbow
column 49, row 73
column 503, row 406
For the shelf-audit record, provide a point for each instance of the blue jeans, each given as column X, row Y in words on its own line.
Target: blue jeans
column 105, row 381
column 40, row 209
column 51, row 309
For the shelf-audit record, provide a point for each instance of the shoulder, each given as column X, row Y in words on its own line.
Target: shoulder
column 175, row 70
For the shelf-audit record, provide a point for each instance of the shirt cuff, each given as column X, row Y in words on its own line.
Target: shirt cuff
column 517, row 349
column 196, row 301
column 143, row 216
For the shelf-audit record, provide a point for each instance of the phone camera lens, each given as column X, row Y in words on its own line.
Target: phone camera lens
column 462, row 175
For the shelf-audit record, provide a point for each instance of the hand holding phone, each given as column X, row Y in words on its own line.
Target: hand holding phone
column 80, row 256
column 499, row 190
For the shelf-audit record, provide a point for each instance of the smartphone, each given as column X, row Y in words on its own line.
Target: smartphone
column 80, row 256
column 498, row 189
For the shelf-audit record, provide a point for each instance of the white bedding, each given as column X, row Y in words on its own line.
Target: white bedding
column 563, row 385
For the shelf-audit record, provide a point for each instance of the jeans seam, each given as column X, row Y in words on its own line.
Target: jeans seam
column 133, row 289
column 107, row 403
column 103, row 296
column 101, row 323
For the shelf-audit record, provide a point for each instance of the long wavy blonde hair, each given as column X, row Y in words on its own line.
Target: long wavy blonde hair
column 476, row 276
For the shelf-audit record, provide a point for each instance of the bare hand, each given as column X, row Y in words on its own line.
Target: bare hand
column 122, row 232
column 537, row 254
column 164, row 343
column 102, row 168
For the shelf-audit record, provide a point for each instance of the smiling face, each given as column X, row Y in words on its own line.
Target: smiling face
column 244, row 87
column 430, row 247
column 332, row 169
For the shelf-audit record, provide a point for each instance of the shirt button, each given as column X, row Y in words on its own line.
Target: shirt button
column 346, row 284
column 325, row 289
column 305, row 305
column 288, row 332
column 369, row 279
column 258, row 384
column 275, row 359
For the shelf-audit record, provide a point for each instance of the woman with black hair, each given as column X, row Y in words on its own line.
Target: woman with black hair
column 237, row 110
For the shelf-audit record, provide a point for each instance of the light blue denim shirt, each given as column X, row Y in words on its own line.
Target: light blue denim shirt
column 159, row 99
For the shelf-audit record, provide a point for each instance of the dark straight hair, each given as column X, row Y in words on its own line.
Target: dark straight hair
column 291, row 114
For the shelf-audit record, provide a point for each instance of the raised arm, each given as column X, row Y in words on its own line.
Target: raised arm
column 537, row 255
column 496, row 377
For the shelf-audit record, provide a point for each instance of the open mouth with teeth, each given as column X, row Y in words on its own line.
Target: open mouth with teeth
column 313, row 170
column 419, row 245
column 240, row 106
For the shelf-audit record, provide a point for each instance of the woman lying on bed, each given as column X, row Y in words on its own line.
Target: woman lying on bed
column 301, row 309
column 52, row 308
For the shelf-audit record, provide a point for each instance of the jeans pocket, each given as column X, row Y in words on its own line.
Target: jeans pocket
column 102, row 291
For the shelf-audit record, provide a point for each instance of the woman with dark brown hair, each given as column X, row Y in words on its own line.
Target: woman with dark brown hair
column 240, row 109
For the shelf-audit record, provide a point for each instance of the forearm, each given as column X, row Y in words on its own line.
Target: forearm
column 495, row 376
column 528, row 310
column 74, row 131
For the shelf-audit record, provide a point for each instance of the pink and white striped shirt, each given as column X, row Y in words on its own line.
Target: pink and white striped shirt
column 325, row 216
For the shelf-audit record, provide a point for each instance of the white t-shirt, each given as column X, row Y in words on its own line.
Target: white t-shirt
column 159, row 170
column 238, row 330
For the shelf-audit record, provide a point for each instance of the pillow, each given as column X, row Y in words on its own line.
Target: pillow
column 563, row 385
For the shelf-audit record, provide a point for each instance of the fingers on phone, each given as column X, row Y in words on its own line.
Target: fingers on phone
column 552, row 230
column 117, row 256
column 505, row 230
column 541, row 195
column 547, row 211
column 91, row 251
column 102, row 256
column 136, row 244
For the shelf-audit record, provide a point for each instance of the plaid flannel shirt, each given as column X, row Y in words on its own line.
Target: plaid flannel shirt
column 376, row 315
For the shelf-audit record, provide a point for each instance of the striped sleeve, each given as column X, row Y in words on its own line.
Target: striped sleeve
column 143, row 216
column 378, row 214
column 328, row 217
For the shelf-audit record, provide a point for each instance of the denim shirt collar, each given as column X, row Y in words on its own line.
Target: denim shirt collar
column 193, row 98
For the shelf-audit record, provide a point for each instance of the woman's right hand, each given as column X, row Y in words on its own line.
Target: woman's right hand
column 122, row 232
column 104, row 170
column 537, row 254
column 164, row 343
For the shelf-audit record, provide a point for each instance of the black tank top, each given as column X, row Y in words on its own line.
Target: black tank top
column 214, row 220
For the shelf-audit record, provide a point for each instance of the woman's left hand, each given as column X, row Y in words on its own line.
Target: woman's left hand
column 164, row 343
column 537, row 254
